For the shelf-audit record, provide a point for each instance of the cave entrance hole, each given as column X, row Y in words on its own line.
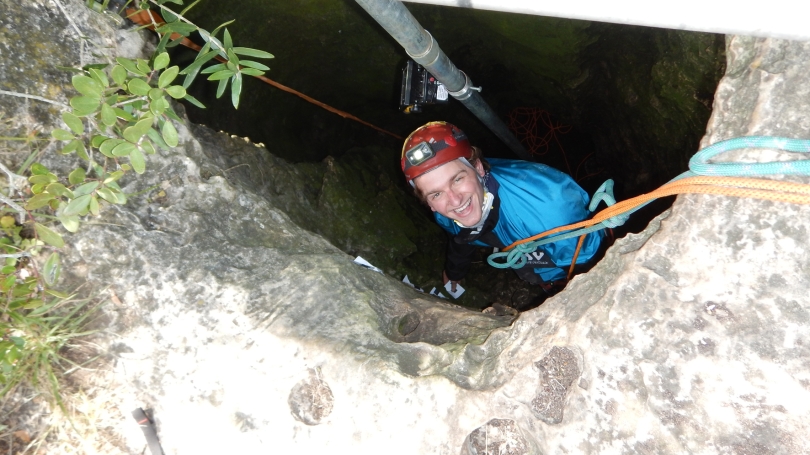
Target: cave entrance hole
column 624, row 102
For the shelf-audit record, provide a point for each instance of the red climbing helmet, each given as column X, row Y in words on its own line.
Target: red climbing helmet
column 432, row 145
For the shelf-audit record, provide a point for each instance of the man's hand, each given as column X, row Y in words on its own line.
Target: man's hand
column 445, row 280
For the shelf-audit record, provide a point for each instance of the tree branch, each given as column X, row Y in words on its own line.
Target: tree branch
column 34, row 97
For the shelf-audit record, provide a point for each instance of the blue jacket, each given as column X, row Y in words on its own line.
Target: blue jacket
column 530, row 198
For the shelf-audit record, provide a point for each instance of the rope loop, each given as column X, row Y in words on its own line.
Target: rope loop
column 699, row 163
column 605, row 194
column 516, row 258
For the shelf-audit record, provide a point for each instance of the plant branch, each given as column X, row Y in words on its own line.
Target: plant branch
column 162, row 7
column 21, row 139
column 34, row 97
column 79, row 33
column 24, row 254
column 67, row 16
column 12, row 178
column 200, row 30
column 122, row 103
column 143, row 191
column 14, row 206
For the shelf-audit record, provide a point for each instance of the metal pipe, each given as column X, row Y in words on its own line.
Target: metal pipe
column 420, row 45
column 786, row 19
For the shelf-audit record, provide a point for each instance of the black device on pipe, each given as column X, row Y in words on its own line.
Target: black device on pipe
column 424, row 50
column 419, row 88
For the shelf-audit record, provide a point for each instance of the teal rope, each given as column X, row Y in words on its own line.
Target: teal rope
column 516, row 257
column 698, row 165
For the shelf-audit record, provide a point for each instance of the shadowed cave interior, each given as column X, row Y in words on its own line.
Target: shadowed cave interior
column 595, row 100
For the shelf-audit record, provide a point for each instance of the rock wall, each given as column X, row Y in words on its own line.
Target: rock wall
column 245, row 333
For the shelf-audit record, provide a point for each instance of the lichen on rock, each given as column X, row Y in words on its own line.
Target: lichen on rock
column 311, row 399
column 558, row 372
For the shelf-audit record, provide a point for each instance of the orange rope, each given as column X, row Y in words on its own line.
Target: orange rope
column 772, row 190
column 576, row 255
column 149, row 18
column 525, row 123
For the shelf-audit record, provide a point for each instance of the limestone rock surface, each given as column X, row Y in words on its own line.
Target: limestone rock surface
column 245, row 333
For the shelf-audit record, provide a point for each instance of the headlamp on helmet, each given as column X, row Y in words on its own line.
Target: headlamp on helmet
column 431, row 146
column 418, row 154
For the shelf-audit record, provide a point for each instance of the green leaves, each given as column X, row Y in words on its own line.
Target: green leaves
column 168, row 76
column 226, row 39
column 108, row 145
column 44, row 178
column 52, row 269
column 70, row 223
column 214, row 68
column 159, row 106
column 137, row 161
column 142, row 65
column 73, row 122
column 75, row 145
column 138, row 87
column 10, row 354
column 176, row 91
column 119, row 74
column 59, row 190
column 236, row 90
column 61, row 135
column 155, row 93
column 85, row 189
column 123, row 149
column 223, row 84
column 108, row 116
column 231, row 71
column 38, row 201
column 193, row 69
column 252, row 72
column 148, row 148
column 98, row 75
column 87, row 86
column 177, row 27
column 130, row 66
column 255, row 53
column 39, row 169
column 219, row 75
column 78, row 205
column 49, row 236
column 256, row 65
column 161, row 61
column 134, row 133
column 169, row 134
column 194, row 101
column 119, row 115
column 84, row 105
column 77, row 176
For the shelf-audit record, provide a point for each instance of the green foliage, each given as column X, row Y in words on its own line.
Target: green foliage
column 121, row 115
column 34, row 338
column 231, row 70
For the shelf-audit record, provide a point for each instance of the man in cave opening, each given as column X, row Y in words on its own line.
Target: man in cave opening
column 495, row 202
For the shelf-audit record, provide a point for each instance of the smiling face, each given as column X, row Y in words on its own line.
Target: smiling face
column 453, row 190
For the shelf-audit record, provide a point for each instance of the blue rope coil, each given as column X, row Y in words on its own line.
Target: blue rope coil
column 698, row 165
